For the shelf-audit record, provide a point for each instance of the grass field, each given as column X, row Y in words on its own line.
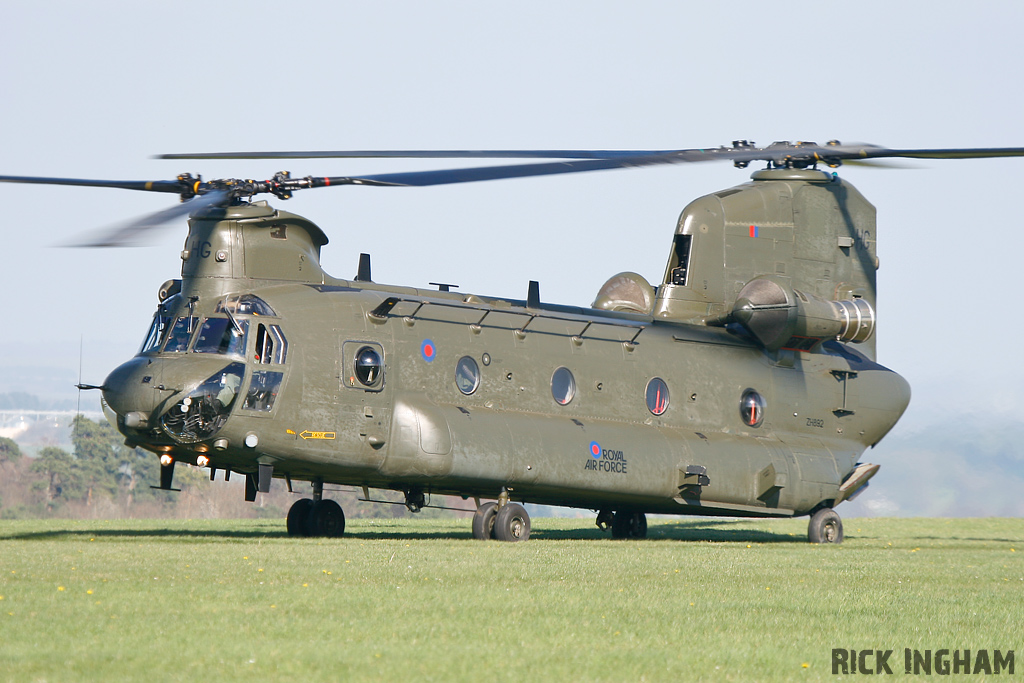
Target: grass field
column 422, row 601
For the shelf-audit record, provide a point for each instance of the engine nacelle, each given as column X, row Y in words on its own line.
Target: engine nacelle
column 779, row 316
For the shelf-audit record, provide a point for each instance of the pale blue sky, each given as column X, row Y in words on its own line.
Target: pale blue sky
column 93, row 89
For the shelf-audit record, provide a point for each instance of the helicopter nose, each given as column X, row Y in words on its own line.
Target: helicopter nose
column 189, row 398
column 133, row 389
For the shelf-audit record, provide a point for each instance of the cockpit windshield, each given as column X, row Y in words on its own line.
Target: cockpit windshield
column 222, row 335
column 157, row 333
column 180, row 334
column 161, row 325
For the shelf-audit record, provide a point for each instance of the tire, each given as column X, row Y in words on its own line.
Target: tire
column 629, row 525
column 512, row 523
column 298, row 515
column 483, row 521
column 825, row 527
column 326, row 519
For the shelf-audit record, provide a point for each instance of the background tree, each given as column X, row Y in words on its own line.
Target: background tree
column 9, row 451
column 108, row 467
column 59, row 468
column 98, row 457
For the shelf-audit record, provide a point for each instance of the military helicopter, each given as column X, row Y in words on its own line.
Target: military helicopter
column 743, row 384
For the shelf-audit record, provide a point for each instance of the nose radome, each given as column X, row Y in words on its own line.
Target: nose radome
column 142, row 384
column 133, row 387
column 145, row 388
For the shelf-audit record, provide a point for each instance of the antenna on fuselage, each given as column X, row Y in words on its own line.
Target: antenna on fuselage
column 363, row 275
column 533, row 295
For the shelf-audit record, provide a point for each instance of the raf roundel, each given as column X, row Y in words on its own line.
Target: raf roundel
column 428, row 350
column 595, row 449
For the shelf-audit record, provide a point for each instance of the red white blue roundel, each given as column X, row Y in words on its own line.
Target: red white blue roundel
column 595, row 450
column 428, row 350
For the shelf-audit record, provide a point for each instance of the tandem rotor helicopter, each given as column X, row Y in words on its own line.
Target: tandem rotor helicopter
column 742, row 384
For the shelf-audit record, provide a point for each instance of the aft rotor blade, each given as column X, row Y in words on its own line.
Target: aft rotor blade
column 779, row 154
column 142, row 185
column 428, row 154
column 135, row 233
column 470, row 175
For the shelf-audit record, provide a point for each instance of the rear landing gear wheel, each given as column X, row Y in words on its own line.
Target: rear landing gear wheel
column 825, row 527
column 512, row 523
column 326, row 519
column 483, row 521
column 298, row 514
column 629, row 525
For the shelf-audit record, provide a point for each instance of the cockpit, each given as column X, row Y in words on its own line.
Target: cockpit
column 235, row 330
column 174, row 326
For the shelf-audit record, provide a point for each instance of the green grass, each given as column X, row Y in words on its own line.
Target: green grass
column 422, row 601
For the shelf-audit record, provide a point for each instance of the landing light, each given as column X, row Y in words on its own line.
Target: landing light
column 202, row 461
column 166, row 460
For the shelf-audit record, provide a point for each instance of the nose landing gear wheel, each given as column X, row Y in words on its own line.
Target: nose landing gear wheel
column 512, row 523
column 483, row 521
column 825, row 527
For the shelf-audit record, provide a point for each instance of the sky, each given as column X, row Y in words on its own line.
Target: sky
column 95, row 89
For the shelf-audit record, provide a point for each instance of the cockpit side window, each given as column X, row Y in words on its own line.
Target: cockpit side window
column 271, row 345
column 263, row 390
column 180, row 334
column 222, row 336
column 281, row 355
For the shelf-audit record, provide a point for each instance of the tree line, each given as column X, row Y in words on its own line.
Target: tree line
column 100, row 467
column 102, row 478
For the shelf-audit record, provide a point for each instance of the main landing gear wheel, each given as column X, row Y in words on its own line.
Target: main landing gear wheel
column 629, row 525
column 512, row 523
column 297, row 516
column 316, row 518
column 483, row 521
column 326, row 519
column 825, row 527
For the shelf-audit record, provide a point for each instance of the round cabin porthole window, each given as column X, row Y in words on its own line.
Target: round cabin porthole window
column 368, row 366
column 563, row 386
column 467, row 375
column 657, row 396
column 752, row 408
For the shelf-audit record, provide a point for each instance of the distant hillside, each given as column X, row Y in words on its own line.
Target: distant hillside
column 967, row 466
column 19, row 400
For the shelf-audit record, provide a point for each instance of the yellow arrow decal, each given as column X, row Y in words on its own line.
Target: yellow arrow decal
column 306, row 434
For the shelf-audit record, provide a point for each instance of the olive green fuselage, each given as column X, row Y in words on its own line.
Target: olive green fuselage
column 415, row 427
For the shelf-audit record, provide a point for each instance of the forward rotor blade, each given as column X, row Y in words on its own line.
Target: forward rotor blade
column 884, row 164
column 972, row 153
column 136, row 232
column 142, row 185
